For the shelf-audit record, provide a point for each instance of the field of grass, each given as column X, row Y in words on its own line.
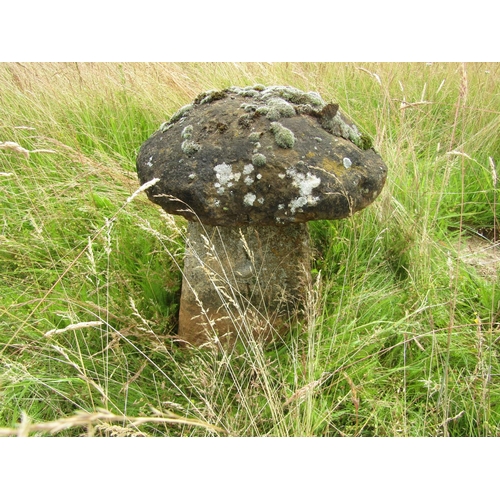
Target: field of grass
column 402, row 337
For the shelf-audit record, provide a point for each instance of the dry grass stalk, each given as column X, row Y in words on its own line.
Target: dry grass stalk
column 464, row 85
column 458, row 153
column 494, row 175
column 354, row 396
column 14, row 146
column 88, row 420
column 244, row 414
column 452, row 419
column 145, row 186
column 373, row 75
column 134, row 377
column 82, row 252
column 405, row 105
column 76, row 326
column 300, row 394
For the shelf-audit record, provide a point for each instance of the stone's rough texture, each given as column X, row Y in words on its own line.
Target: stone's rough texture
column 259, row 163
column 242, row 282
column 309, row 162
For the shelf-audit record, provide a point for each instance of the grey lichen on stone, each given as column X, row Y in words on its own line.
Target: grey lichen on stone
column 273, row 115
column 190, row 147
column 165, row 126
column 259, row 160
column 279, row 108
column 257, row 148
column 293, row 95
column 245, row 91
column 338, row 126
column 278, row 102
column 283, row 136
column 259, row 86
column 262, row 110
column 210, row 96
column 187, row 132
column 333, row 121
column 180, row 114
column 249, row 107
column 254, row 136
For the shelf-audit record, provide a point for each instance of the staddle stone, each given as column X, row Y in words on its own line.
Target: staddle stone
column 248, row 168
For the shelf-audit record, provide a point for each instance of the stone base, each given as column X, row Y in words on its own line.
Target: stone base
column 242, row 282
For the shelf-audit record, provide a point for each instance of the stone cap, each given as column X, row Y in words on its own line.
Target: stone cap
column 260, row 156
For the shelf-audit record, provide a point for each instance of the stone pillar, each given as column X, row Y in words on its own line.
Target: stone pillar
column 242, row 282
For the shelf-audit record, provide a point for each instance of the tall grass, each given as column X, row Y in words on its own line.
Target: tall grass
column 401, row 337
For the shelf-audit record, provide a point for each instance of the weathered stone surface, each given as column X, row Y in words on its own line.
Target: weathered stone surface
column 258, row 163
column 246, row 282
column 260, row 156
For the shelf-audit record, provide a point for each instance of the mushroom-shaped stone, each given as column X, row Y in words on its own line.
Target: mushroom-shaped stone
column 248, row 168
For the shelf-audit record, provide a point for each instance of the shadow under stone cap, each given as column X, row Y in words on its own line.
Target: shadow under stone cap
column 260, row 156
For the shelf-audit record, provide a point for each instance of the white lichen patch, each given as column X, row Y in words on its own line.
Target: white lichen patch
column 297, row 203
column 225, row 176
column 347, row 162
column 248, row 169
column 305, row 184
column 224, row 173
column 220, row 189
column 249, row 199
column 150, row 162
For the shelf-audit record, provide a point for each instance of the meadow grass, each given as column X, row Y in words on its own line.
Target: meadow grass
column 401, row 333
